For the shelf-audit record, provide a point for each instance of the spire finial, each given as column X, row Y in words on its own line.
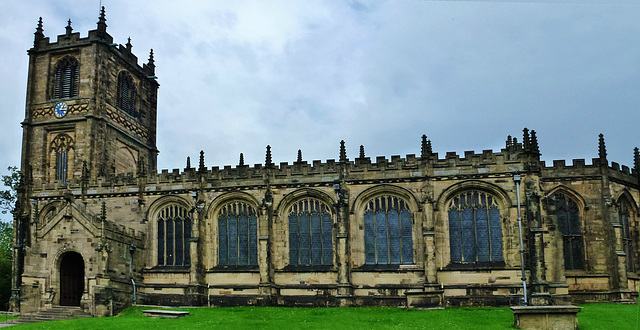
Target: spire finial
column 241, row 162
column 534, row 143
column 69, row 28
column 267, row 158
column 343, row 152
column 361, row 155
column 201, row 167
column 602, row 149
column 526, row 142
column 39, row 35
column 636, row 159
column 102, row 21
column 299, row 160
column 129, row 45
column 188, row 162
column 509, row 143
column 423, row 146
column 429, row 149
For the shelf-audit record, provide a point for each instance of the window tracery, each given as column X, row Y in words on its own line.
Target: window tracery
column 238, row 235
column 568, row 215
column 310, row 233
column 61, row 145
column 475, row 229
column 388, row 231
column 627, row 237
column 174, row 231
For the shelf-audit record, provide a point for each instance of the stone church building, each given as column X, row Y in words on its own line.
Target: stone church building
column 98, row 226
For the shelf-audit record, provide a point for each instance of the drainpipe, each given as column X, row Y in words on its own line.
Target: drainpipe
column 131, row 249
column 517, row 179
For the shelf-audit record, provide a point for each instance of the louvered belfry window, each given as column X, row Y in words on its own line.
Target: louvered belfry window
column 237, row 235
column 127, row 94
column 174, row 231
column 475, row 231
column 627, row 237
column 568, row 215
column 388, row 236
column 310, row 233
column 66, row 83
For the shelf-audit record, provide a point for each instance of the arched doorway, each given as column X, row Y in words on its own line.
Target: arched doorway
column 71, row 279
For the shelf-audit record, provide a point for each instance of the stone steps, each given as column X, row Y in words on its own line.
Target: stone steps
column 52, row 314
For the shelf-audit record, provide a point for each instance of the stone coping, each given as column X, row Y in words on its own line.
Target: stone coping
column 545, row 309
column 165, row 313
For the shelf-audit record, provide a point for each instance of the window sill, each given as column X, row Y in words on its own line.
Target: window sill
column 387, row 268
column 476, row 265
column 168, row 269
column 307, row 269
column 234, row 269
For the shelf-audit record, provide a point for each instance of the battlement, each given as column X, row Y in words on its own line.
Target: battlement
column 99, row 35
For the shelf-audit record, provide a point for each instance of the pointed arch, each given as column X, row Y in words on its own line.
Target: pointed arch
column 503, row 199
column 65, row 84
column 566, row 206
column 171, row 222
column 235, row 223
column 61, row 148
column 627, row 218
column 582, row 203
column 126, row 94
column 309, row 227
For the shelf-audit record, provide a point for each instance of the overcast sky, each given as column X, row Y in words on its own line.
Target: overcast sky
column 238, row 75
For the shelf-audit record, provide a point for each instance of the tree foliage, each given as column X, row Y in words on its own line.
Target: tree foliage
column 9, row 196
column 8, row 200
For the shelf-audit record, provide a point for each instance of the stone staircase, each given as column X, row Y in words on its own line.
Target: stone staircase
column 52, row 314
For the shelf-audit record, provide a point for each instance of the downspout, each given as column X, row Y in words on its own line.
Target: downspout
column 517, row 179
column 131, row 249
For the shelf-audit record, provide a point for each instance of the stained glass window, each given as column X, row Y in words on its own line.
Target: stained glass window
column 310, row 233
column 475, row 230
column 66, row 82
column 238, row 235
column 174, row 231
column 568, row 215
column 127, row 94
column 388, row 238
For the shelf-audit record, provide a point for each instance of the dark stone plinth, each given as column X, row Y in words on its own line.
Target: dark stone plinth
column 545, row 317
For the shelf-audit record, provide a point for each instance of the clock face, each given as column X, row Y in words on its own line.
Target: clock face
column 60, row 110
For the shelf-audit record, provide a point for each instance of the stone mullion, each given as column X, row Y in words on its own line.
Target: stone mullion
column 265, row 232
column 621, row 255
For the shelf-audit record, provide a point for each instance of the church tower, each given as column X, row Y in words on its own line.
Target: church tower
column 90, row 109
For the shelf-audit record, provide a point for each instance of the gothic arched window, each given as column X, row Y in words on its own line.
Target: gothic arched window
column 126, row 98
column 60, row 146
column 475, row 230
column 568, row 215
column 174, row 231
column 627, row 237
column 388, row 236
column 238, row 235
column 310, row 233
column 66, row 82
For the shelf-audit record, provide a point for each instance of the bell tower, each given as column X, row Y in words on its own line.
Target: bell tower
column 89, row 105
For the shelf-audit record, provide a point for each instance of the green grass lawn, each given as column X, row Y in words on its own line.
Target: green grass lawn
column 592, row 316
